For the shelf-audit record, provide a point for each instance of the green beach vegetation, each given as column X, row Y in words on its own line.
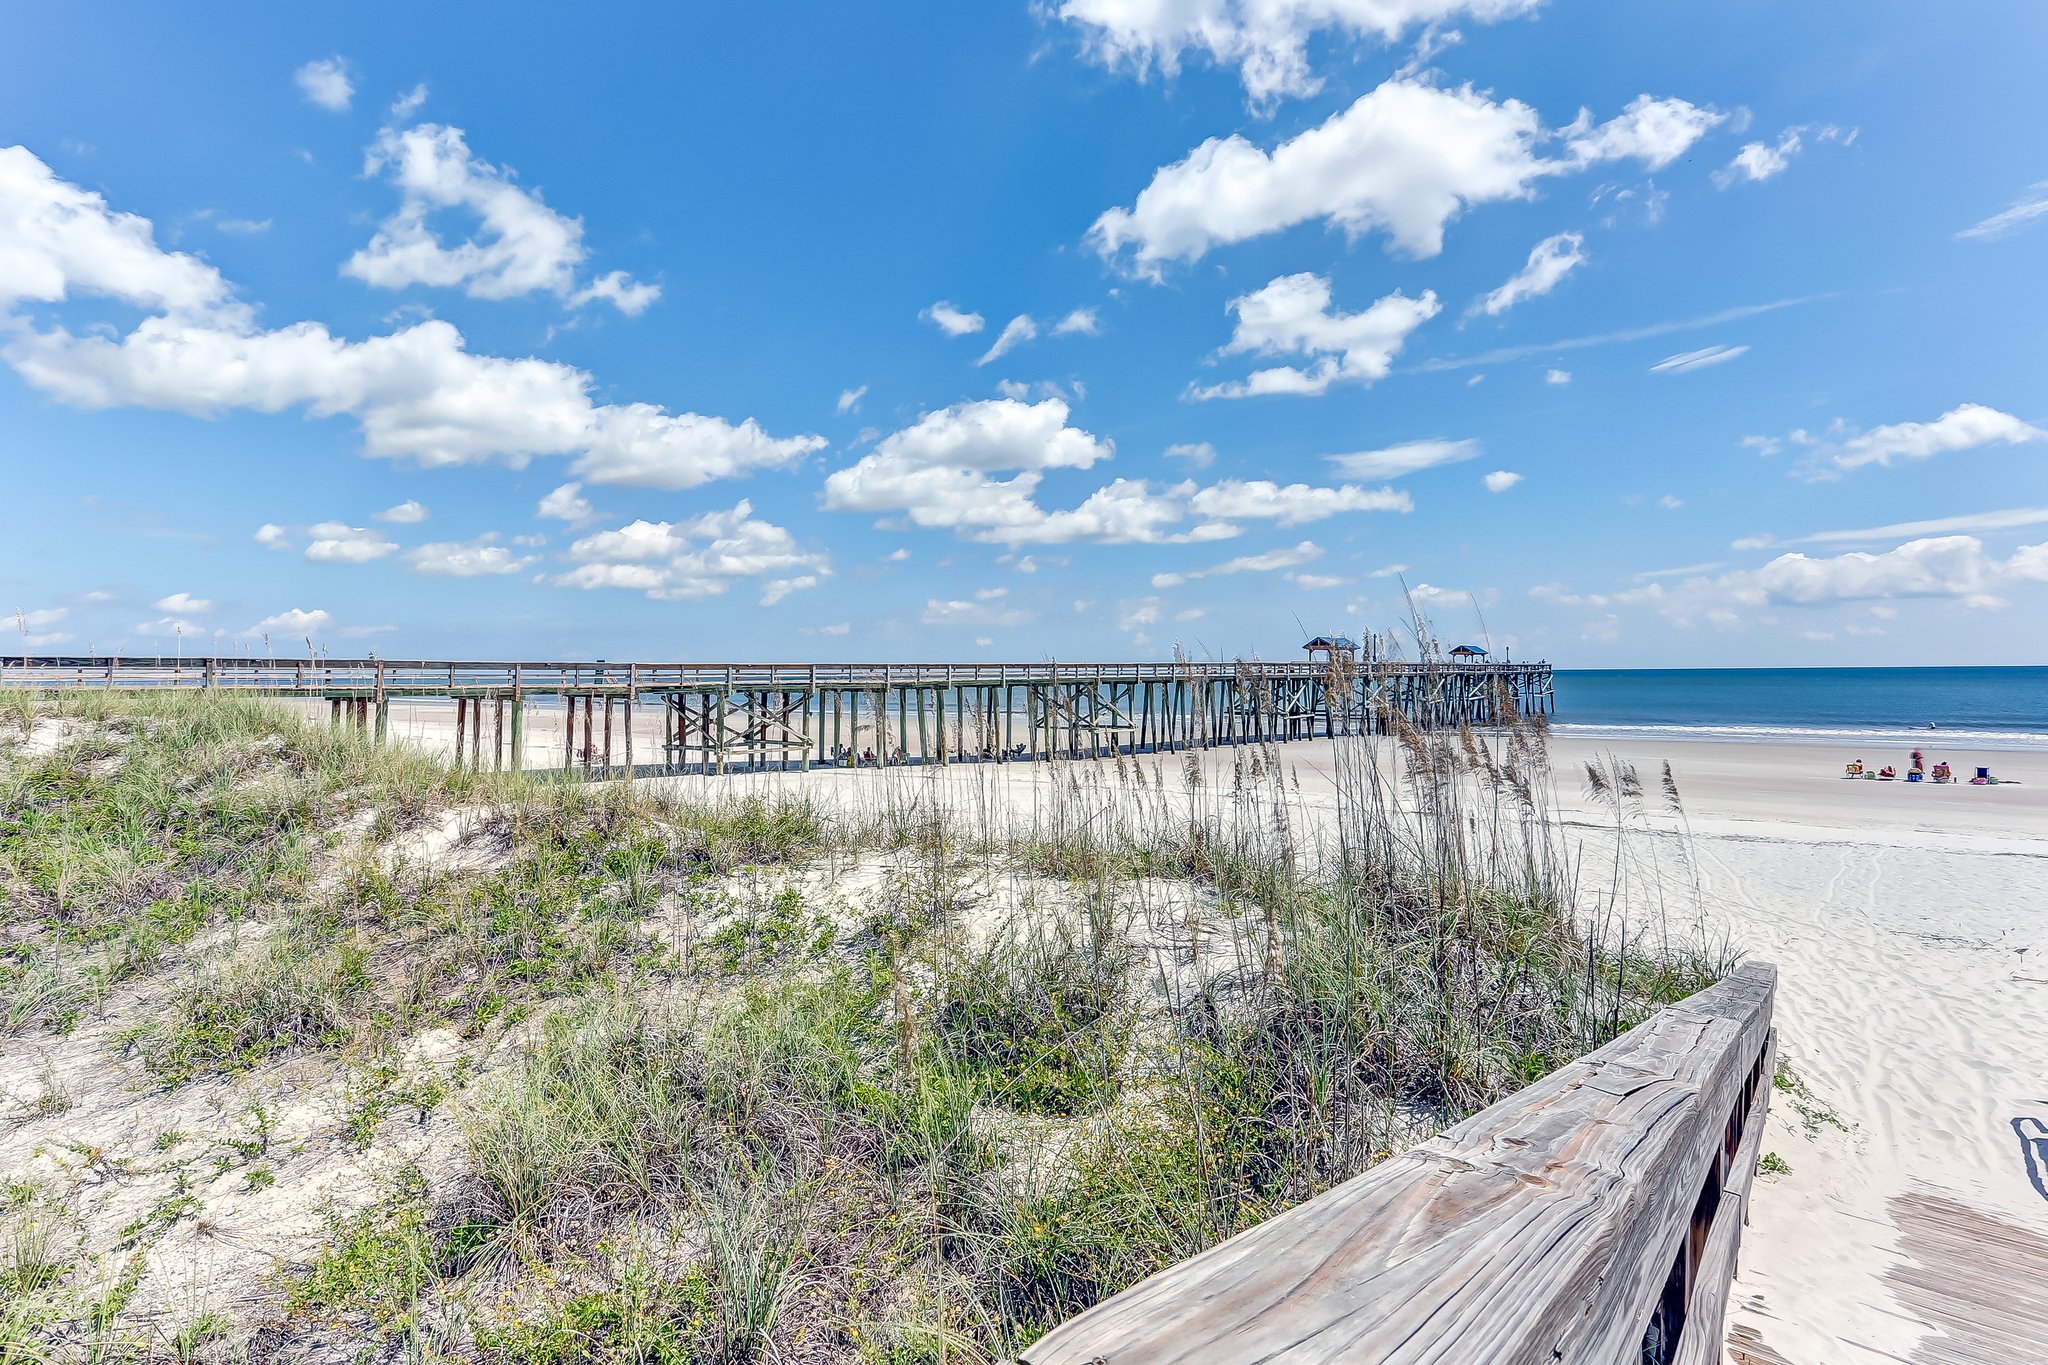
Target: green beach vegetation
column 315, row 1045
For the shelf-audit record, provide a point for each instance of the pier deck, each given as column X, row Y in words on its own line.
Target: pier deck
column 718, row 716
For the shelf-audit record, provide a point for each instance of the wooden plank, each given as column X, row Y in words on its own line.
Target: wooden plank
column 1706, row 1315
column 1540, row 1229
column 1976, row 1277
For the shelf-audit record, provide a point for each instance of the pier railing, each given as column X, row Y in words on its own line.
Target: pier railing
column 1592, row 1218
column 324, row 677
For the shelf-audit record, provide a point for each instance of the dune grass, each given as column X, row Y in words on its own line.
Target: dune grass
column 1061, row 1041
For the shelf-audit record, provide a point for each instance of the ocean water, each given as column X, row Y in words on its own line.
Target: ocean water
column 1993, row 708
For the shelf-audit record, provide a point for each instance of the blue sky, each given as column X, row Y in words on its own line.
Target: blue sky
column 1690, row 333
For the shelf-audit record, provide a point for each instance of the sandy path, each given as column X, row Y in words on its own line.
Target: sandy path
column 1910, row 928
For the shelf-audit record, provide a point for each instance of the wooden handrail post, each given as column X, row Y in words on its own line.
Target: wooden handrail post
column 632, row 689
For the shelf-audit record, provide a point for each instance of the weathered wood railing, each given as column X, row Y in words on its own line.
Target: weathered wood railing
column 1592, row 1218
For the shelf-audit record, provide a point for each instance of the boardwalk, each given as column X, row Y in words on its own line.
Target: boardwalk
column 717, row 717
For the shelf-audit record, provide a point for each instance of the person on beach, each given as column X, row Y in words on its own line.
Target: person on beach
column 1855, row 769
column 1944, row 773
column 1887, row 773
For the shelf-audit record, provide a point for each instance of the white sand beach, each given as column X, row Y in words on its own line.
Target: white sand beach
column 1909, row 924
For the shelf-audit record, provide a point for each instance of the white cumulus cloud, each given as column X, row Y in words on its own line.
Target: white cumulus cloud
column 336, row 542
column 324, row 81
column 1294, row 316
column 976, row 467
column 566, row 503
column 952, row 321
column 522, row 246
column 1938, row 566
column 1961, row 428
column 703, row 556
column 407, row 513
column 184, row 604
column 1080, row 322
column 980, row 613
column 1501, row 480
column 292, row 622
column 416, row 394
column 1266, row 40
column 942, row 471
column 1291, row 504
column 1952, row 568
column 1405, row 159
column 479, row 558
column 34, row 625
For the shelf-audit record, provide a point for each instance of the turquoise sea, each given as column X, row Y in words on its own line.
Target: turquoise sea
column 1996, row 708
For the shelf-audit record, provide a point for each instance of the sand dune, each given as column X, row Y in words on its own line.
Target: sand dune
column 1910, row 926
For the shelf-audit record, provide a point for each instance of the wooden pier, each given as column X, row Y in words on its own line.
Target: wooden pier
column 718, row 718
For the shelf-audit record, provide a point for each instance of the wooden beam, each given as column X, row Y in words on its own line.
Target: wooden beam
column 632, row 686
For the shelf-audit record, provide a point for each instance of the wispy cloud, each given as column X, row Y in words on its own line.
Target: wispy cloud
column 2024, row 210
column 1019, row 330
column 1409, row 457
column 2007, row 519
column 1682, row 571
column 1549, row 262
column 1655, row 329
column 1269, row 562
column 1697, row 360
